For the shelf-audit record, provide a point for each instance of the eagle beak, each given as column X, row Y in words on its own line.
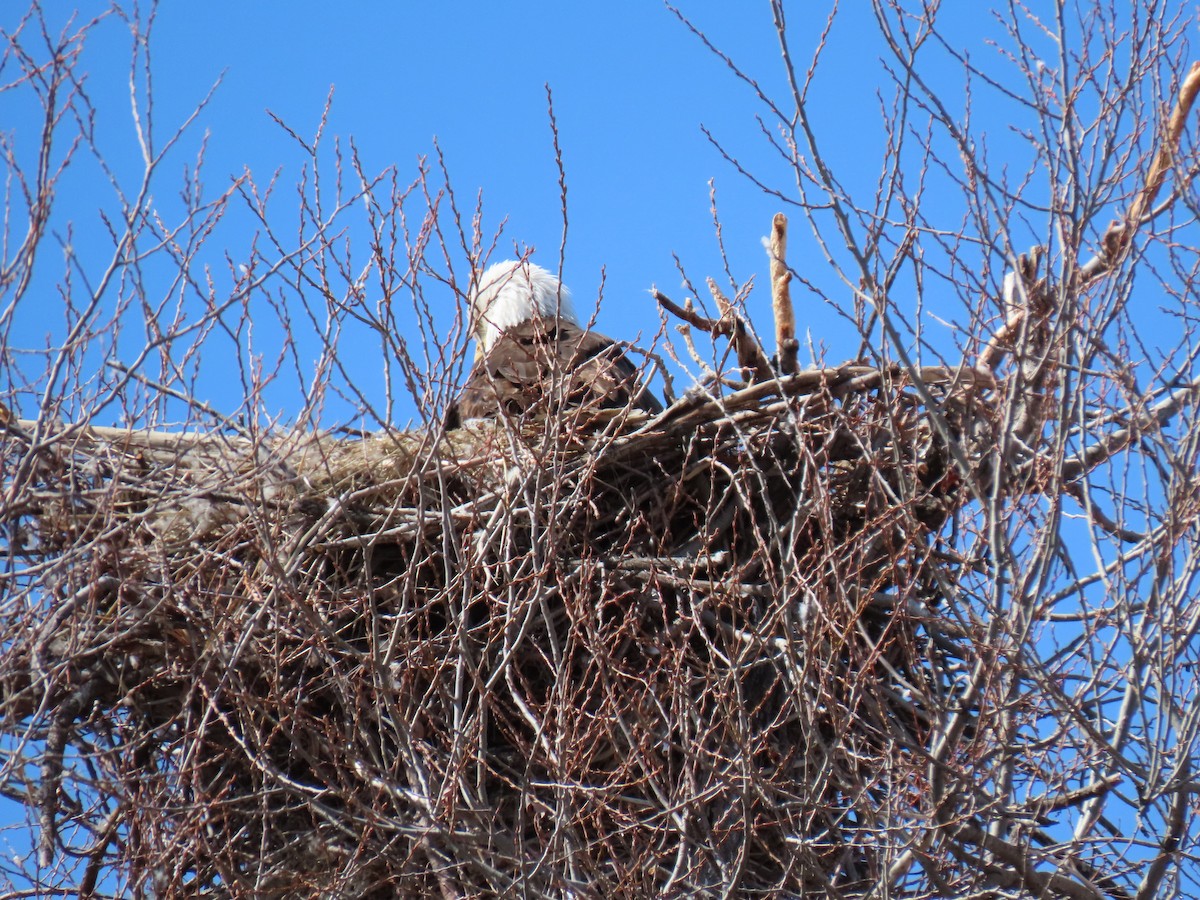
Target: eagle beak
column 480, row 350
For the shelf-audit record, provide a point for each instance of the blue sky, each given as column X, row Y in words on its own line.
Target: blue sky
column 632, row 89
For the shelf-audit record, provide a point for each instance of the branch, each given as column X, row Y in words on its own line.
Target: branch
column 837, row 380
column 1116, row 239
column 71, row 709
column 1023, row 292
column 781, row 298
column 1154, row 418
column 1025, row 866
column 730, row 325
column 1166, row 153
column 1114, row 243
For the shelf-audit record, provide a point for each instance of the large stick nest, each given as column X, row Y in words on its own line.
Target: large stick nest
column 610, row 658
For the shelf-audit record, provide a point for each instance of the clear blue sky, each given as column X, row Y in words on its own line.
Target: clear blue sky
column 632, row 88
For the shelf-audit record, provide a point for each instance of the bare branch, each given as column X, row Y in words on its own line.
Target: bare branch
column 781, row 298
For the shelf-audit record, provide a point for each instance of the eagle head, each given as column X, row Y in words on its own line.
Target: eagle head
column 511, row 292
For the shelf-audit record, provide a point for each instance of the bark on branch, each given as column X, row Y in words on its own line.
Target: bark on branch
column 781, row 297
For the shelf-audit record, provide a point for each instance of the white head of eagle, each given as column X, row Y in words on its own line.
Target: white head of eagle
column 515, row 291
column 532, row 355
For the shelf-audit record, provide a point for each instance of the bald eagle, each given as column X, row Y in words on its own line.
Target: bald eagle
column 531, row 351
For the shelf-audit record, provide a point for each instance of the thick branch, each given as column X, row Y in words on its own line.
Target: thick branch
column 781, row 297
column 1154, row 418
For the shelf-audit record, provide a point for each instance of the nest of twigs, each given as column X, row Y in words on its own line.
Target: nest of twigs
column 717, row 651
column 626, row 657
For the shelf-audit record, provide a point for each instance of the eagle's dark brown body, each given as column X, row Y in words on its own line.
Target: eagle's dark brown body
column 548, row 363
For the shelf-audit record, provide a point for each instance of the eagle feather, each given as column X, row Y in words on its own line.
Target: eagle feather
column 533, row 355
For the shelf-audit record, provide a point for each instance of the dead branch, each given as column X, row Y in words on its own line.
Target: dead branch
column 750, row 355
column 1120, row 233
column 786, row 344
